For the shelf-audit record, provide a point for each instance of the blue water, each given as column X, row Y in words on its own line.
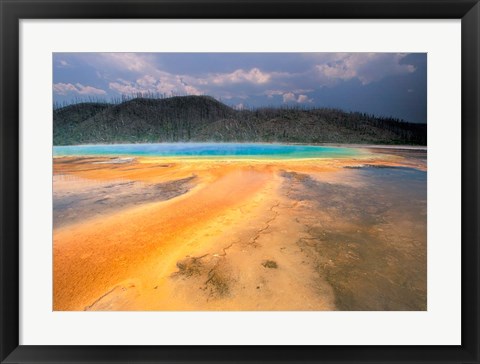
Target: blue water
column 408, row 183
column 231, row 150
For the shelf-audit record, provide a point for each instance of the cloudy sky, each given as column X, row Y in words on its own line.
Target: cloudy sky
column 387, row 84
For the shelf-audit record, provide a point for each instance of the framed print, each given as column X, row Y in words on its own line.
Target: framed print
column 239, row 182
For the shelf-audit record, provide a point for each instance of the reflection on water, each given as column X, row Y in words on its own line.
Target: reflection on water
column 369, row 241
column 409, row 178
column 71, row 182
column 77, row 199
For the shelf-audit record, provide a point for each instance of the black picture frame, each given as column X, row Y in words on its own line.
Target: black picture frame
column 13, row 10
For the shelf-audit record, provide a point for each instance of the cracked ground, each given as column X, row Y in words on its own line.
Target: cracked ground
column 344, row 234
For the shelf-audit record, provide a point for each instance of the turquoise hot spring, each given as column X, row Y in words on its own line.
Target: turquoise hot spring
column 228, row 150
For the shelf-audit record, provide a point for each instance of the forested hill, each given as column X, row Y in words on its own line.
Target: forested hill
column 202, row 118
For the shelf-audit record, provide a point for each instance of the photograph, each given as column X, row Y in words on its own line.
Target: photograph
column 239, row 181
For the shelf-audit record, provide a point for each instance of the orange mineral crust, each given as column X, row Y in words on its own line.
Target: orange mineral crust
column 218, row 234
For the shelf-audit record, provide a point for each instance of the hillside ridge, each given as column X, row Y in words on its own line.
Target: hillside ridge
column 203, row 118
